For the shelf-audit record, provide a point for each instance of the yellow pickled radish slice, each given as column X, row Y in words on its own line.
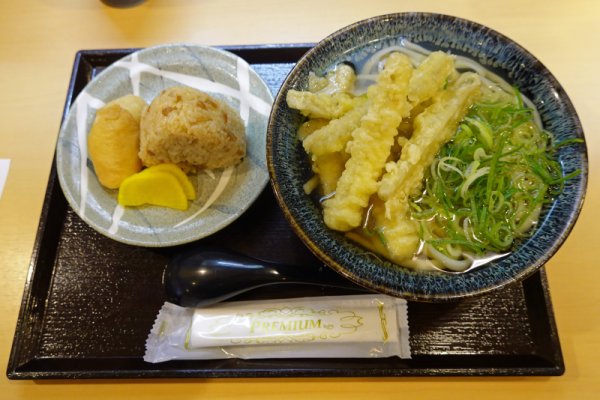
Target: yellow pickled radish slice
column 157, row 188
column 178, row 173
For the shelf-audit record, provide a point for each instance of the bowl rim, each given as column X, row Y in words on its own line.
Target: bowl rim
column 322, row 255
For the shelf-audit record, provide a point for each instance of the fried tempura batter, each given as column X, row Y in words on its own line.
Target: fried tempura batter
column 430, row 77
column 335, row 136
column 320, row 105
column 432, row 129
column 370, row 145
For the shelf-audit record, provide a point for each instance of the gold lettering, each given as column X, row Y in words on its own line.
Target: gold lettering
column 258, row 326
column 255, row 324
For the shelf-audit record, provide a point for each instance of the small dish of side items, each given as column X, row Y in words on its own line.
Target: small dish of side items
column 221, row 194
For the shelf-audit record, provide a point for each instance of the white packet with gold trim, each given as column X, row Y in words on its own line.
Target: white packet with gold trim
column 311, row 327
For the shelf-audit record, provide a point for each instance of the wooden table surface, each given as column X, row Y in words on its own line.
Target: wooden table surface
column 38, row 42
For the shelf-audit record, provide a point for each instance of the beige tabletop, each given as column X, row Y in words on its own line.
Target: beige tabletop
column 38, row 42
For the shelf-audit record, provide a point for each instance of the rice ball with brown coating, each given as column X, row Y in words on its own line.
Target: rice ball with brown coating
column 187, row 127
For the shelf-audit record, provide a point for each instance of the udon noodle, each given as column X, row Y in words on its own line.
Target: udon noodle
column 426, row 158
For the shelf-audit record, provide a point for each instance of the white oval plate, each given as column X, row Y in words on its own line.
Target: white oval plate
column 223, row 195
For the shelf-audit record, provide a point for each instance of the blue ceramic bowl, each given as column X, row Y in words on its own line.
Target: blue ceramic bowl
column 289, row 169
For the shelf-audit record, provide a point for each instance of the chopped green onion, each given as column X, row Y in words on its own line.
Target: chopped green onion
column 486, row 187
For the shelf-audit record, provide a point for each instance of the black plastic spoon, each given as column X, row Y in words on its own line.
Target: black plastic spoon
column 205, row 276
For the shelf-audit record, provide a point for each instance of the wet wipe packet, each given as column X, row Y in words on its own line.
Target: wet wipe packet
column 368, row 326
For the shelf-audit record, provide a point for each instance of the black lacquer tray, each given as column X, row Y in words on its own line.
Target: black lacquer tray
column 89, row 302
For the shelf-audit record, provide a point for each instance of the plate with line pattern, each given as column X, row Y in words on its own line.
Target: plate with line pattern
column 222, row 194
